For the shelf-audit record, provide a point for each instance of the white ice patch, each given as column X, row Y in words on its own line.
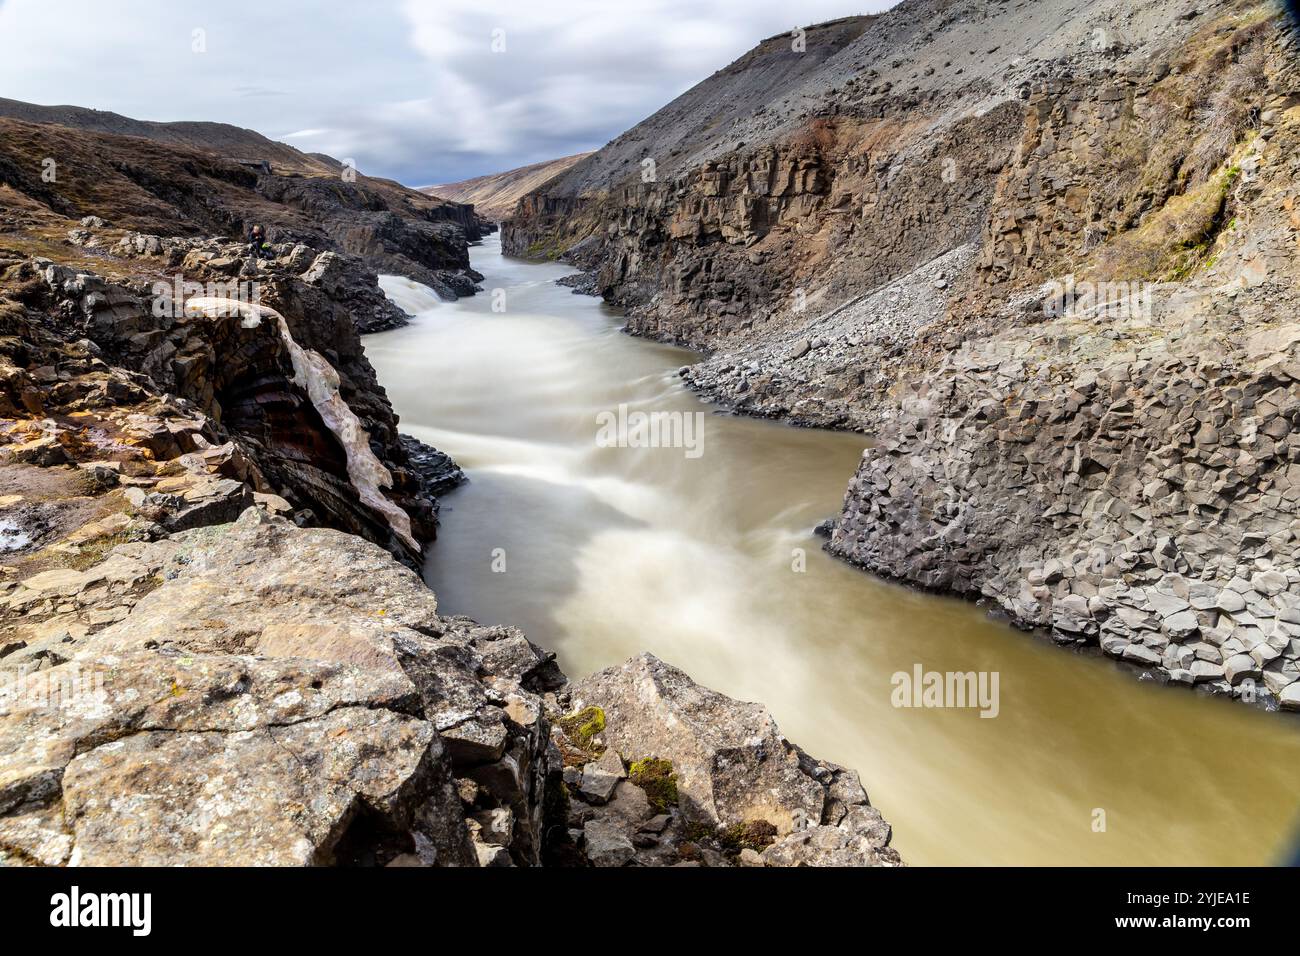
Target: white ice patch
column 315, row 376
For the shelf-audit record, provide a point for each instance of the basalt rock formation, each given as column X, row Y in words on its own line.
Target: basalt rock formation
column 1042, row 254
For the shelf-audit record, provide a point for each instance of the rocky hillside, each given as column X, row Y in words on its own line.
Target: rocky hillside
column 1043, row 255
column 53, row 175
column 494, row 197
column 222, row 139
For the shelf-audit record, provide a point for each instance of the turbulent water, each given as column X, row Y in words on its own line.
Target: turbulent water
column 12, row 537
column 705, row 556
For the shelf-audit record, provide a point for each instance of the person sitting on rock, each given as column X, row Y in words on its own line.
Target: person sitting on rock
column 256, row 239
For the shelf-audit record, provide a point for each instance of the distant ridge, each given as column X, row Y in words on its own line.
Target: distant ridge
column 233, row 142
column 494, row 196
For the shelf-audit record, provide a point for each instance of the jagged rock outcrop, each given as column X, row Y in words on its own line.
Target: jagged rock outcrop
column 256, row 693
column 685, row 774
column 1042, row 255
column 200, row 383
column 1135, row 488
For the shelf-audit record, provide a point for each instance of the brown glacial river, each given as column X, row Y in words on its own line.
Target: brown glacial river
column 602, row 552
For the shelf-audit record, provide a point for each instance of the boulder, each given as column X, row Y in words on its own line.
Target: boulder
column 733, row 768
column 607, row 844
column 732, row 763
column 271, row 667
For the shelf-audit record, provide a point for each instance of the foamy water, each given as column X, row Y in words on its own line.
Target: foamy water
column 12, row 536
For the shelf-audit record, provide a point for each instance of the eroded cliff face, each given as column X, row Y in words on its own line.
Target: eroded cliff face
column 1042, row 255
column 197, row 381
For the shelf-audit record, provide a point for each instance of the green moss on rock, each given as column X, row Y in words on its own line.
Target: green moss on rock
column 582, row 726
column 655, row 776
column 751, row 835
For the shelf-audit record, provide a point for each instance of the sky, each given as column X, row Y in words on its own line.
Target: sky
column 422, row 91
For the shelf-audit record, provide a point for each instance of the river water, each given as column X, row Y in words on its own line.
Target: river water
column 705, row 556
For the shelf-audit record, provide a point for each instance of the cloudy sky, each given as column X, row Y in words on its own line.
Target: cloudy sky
column 411, row 89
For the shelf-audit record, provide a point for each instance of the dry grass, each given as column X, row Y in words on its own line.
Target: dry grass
column 1172, row 241
column 1169, row 175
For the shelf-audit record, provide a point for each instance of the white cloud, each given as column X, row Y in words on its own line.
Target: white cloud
column 410, row 89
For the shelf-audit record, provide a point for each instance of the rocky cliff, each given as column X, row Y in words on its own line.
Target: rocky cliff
column 133, row 369
column 1043, row 255
column 213, row 647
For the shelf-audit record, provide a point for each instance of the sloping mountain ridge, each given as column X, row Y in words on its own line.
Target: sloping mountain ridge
column 495, row 196
column 895, row 242
column 232, row 142
column 181, row 179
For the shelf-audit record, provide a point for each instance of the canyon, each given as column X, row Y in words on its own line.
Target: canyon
column 214, row 649
column 1036, row 259
column 883, row 223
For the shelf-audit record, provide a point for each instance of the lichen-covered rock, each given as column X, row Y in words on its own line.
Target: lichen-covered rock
column 284, row 695
column 737, row 782
column 731, row 761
